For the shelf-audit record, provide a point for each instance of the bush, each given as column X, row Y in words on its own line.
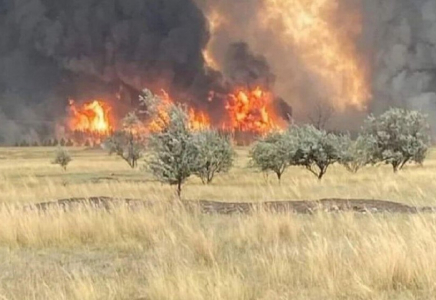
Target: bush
column 314, row 149
column 356, row 154
column 125, row 143
column 173, row 151
column 215, row 155
column 397, row 137
column 62, row 158
column 272, row 153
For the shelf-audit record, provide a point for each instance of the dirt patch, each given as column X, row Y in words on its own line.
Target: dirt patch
column 213, row 207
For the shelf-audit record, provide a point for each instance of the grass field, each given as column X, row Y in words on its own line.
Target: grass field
column 166, row 253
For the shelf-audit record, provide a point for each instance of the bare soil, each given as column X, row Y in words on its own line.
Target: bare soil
column 213, row 207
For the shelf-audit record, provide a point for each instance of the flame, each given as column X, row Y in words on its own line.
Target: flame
column 215, row 20
column 324, row 47
column 252, row 111
column 92, row 117
column 198, row 120
column 209, row 59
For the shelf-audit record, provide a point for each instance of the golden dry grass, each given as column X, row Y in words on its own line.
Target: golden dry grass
column 166, row 253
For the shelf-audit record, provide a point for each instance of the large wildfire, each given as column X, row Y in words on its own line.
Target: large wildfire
column 309, row 29
column 324, row 44
column 261, row 60
column 93, row 117
column 304, row 52
column 250, row 111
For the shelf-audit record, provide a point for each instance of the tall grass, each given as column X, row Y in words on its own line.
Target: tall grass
column 168, row 253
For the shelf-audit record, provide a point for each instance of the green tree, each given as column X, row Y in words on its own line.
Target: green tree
column 215, row 154
column 126, row 144
column 356, row 153
column 173, row 151
column 397, row 137
column 315, row 149
column 273, row 153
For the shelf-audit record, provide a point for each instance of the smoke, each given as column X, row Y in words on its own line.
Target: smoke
column 244, row 68
column 394, row 45
column 52, row 50
column 300, row 77
column 402, row 34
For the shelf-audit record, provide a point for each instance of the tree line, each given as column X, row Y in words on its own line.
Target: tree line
column 176, row 152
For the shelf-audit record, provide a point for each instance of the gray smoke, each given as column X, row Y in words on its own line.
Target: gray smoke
column 244, row 68
column 401, row 38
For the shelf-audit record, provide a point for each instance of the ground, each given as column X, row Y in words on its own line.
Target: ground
column 167, row 253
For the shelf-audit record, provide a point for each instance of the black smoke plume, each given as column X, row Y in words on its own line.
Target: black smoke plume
column 53, row 50
column 243, row 68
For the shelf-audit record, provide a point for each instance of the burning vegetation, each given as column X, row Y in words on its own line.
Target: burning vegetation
column 325, row 45
column 252, row 111
column 208, row 52
column 247, row 110
column 92, row 117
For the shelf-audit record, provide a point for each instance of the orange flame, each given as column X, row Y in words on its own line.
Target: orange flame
column 252, row 111
column 325, row 47
column 92, row 117
column 198, row 120
column 215, row 21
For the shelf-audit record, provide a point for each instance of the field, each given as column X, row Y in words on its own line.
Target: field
column 167, row 253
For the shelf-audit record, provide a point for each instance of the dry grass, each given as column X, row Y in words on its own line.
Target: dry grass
column 167, row 253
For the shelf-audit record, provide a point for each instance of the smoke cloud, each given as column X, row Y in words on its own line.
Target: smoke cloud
column 52, row 50
column 396, row 48
column 400, row 37
column 244, row 68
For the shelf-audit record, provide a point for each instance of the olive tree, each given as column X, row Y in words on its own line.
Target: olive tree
column 173, row 150
column 355, row 154
column 215, row 155
column 126, row 143
column 62, row 158
column 272, row 153
column 315, row 149
column 397, row 137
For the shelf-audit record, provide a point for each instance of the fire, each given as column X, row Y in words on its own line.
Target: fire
column 198, row 120
column 323, row 46
column 252, row 111
column 215, row 21
column 209, row 59
column 92, row 117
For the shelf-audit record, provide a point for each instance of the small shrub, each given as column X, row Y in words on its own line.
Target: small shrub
column 215, row 155
column 126, row 144
column 272, row 153
column 62, row 158
column 315, row 149
column 356, row 154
